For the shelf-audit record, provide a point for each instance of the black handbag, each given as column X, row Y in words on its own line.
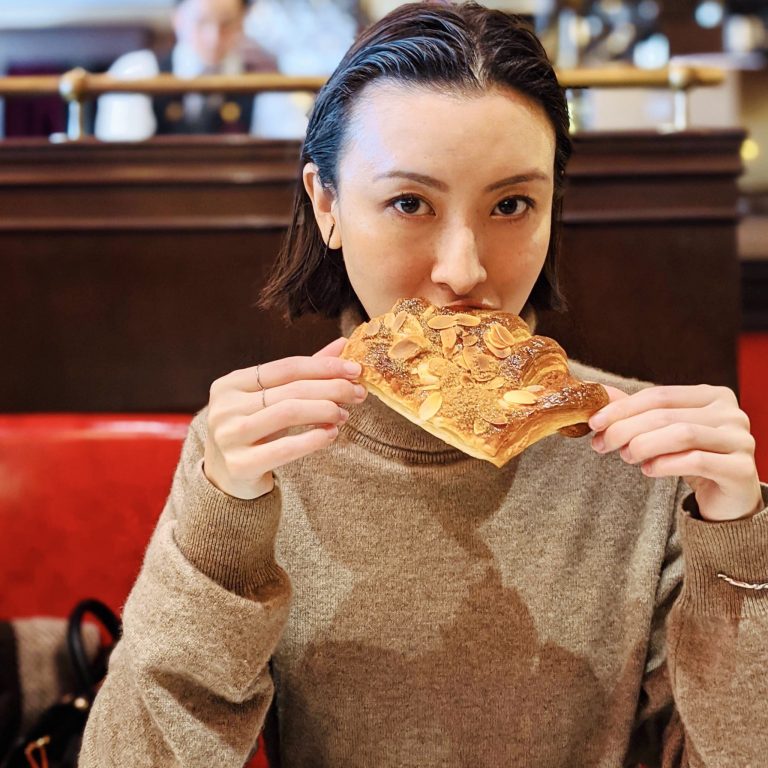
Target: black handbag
column 54, row 740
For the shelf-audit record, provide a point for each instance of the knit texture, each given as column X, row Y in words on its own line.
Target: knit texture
column 423, row 608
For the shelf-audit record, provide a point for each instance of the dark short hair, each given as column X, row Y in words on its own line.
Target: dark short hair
column 464, row 47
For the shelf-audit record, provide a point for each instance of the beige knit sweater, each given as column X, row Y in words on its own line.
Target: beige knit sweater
column 411, row 606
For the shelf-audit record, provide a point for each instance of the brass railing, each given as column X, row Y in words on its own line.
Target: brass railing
column 78, row 86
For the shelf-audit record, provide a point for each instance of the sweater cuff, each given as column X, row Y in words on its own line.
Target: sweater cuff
column 230, row 540
column 719, row 554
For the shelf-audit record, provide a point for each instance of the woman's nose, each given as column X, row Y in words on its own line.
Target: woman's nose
column 457, row 263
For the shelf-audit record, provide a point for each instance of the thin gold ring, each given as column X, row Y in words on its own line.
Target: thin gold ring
column 263, row 398
column 258, row 377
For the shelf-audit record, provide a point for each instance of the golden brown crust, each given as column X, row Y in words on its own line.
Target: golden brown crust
column 475, row 378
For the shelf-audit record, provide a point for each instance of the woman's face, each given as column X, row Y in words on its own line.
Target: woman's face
column 443, row 196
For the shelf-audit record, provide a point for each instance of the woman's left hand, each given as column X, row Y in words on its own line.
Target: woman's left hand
column 697, row 432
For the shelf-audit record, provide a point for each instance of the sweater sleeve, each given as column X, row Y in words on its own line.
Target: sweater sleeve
column 703, row 697
column 189, row 683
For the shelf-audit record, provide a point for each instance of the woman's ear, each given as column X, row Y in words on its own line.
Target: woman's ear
column 324, row 206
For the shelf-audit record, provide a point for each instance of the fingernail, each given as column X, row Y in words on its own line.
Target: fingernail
column 344, row 414
column 353, row 369
column 598, row 443
column 360, row 391
column 598, row 421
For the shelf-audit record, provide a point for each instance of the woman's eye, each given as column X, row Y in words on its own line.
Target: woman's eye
column 513, row 206
column 409, row 205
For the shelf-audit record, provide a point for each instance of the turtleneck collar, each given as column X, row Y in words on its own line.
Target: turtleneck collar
column 382, row 430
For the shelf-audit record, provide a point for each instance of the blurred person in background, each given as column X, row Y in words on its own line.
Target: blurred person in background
column 210, row 40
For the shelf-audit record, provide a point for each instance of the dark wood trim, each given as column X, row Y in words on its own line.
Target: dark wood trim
column 156, row 175
column 754, row 295
column 142, row 224
column 652, row 215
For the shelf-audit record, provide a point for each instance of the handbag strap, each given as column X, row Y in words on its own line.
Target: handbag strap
column 89, row 674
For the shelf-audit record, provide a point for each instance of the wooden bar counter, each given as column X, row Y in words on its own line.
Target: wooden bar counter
column 130, row 271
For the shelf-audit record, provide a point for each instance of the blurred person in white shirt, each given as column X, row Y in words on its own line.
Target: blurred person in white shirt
column 210, row 39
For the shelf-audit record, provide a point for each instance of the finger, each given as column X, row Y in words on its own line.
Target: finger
column 235, row 403
column 293, row 447
column 696, row 396
column 256, row 427
column 623, row 432
column 279, row 372
column 614, row 394
column 334, row 349
column 680, row 437
column 724, row 469
column 336, row 390
column 282, row 451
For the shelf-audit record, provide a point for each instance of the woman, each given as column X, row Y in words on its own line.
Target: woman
column 406, row 604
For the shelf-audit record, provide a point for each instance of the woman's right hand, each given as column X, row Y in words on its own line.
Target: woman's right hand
column 246, row 440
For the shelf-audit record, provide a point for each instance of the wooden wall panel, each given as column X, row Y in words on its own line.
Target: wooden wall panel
column 137, row 319
column 649, row 257
column 129, row 272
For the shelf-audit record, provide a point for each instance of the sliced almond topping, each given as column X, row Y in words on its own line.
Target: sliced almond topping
column 388, row 319
column 439, row 322
column 424, row 374
column 480, row 427
column 397, row 323
column 503, row 334
column 482, row 367
column 438, row 366
column 461, row 361
column 466, row 380
column 495, row 383
column 495, row 417
column 519, row 397
column 469, row 355
column 428, row 312
column 406, row 348
column 491, row 340
column 485, row 364
column 470, row 340
column 430, row 406
column 500, row 353
column 472, row 321
column 372, row 328
column 412, row 326
column 534, row 388
column 428, row 387
column 448, row 338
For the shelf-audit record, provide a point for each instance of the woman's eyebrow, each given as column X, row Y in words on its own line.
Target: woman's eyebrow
column 519, row 178
column 430, row 181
